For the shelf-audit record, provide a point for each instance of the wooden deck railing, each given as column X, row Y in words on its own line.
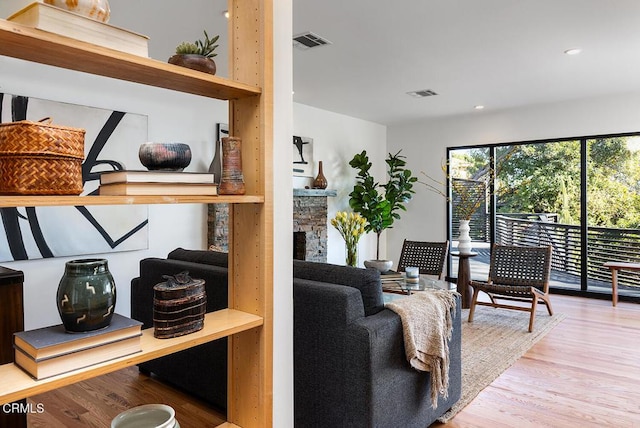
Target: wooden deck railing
column 604, row 244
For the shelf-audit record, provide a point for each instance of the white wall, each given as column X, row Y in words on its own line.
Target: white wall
column 336, row 139
column 425, row 145
column 282, row 218
column 172, row 116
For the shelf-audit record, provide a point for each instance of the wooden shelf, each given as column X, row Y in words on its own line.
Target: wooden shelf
column 249, row 91
column 19, row 41
column 43, row 201
column 15, row 384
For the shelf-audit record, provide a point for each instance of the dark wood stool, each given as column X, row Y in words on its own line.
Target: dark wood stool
column 464, row 278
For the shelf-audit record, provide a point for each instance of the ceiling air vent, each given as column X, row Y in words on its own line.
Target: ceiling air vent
column 309, row 40
column 422, row 93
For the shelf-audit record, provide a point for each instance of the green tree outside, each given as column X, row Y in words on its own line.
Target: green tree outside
column 545, row 178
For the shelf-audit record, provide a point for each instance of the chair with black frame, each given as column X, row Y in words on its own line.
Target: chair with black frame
column 516, row 273
column 428, row 257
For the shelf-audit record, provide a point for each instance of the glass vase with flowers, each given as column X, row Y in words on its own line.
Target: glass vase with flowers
column 351, row 227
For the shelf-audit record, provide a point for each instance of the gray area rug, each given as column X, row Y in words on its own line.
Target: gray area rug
column 495, row 340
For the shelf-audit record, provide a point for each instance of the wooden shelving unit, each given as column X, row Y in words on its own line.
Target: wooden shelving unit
column 44, row 201
column 16, row 384
column 34, row 45
column 248, row 323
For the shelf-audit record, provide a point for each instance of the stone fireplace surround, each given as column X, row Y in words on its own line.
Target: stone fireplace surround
column 309, row 224
column 310, row 219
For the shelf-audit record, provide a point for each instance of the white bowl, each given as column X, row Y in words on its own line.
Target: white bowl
column 146, row 416
column 381, row 265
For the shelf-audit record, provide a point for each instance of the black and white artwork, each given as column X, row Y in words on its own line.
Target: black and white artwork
column 302, row 156
column 111, row 143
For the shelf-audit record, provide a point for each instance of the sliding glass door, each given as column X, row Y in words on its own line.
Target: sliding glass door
column 469, row 172
column 581, row 196
column 613, row 211
column 537, row 196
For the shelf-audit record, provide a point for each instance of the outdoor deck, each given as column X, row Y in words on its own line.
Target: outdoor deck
column 561, row 280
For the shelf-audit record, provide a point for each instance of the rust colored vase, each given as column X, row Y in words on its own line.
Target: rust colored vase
column 232, row 180
column 321, row 181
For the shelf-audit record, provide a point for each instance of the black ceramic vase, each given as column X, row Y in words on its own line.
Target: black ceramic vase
column 86, row 295
column 165, row 156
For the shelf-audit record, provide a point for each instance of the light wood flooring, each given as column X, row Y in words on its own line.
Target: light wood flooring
column 584, row 373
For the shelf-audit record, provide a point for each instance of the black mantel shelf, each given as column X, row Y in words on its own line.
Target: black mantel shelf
column 315, row 192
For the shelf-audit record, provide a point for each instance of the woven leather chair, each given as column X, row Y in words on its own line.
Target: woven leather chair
column 516, row 274
column 428, row 257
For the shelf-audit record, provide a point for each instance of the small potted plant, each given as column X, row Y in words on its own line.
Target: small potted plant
column 197, row 55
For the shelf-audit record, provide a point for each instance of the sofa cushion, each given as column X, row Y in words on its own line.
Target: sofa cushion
column 365, row 280
column 215, row 258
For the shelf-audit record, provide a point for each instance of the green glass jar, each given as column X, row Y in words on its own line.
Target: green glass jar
column 86, row 295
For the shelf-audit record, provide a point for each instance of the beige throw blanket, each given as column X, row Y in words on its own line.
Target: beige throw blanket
column 427, row 322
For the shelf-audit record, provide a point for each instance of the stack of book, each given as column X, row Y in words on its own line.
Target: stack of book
column 50, row 351
column 60, row 21
column 391, row 276
column 392, row 282
column 133, row 183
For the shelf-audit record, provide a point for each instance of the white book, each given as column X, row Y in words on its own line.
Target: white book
column 160, row 176
column 65, row 23
column 158, row 189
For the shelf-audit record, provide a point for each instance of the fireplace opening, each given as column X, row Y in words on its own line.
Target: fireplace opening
column 299, row 245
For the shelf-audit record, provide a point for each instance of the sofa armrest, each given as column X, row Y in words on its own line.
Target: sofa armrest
column 321, row 314
column 382, row 386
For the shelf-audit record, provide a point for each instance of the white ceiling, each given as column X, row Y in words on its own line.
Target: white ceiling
column 497, row 53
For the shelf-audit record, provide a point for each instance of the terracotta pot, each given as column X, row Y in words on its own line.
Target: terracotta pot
column 94, row 9
column 232, row 180
column 194, row 62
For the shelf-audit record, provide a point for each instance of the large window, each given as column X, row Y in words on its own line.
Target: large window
column 582, row 196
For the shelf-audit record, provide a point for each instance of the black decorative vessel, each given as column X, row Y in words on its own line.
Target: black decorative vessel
column 86, row 295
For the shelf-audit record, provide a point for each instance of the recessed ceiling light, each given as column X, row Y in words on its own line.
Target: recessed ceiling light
column 478, row 107
column 226, row 14
column 573, row 51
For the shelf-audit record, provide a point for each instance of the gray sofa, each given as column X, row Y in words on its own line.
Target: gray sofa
column 350, row 368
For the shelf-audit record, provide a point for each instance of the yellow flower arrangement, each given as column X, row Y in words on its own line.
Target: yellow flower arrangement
column 351, row 228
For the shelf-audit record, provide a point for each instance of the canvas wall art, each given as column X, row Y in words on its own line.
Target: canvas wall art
column 111, row 142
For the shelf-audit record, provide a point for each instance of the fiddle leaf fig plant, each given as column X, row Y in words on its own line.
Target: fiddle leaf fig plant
column 380, row 203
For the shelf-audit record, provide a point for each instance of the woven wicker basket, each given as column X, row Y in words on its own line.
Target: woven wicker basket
column 39, row 158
